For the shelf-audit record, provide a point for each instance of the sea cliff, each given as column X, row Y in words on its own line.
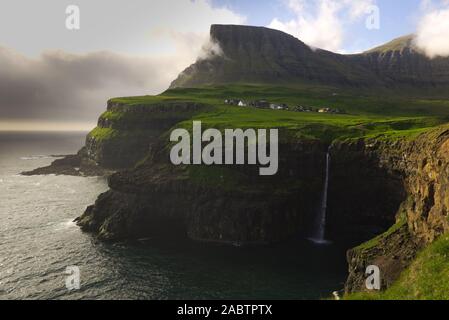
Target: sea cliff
column 396, row 186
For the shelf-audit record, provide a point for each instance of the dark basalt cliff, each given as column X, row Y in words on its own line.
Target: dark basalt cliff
column 157, row 199
column 363, row 195
column 262, row 55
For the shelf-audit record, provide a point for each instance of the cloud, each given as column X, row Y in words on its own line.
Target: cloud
column 131, row 27
column 433, row 29
column 210, row 49
column 59, row 85
column 122, row 49
column 322, row 23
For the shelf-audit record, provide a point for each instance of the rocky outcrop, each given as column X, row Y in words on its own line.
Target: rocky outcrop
column 423, row 164
column 392, row 252
column 72, row 165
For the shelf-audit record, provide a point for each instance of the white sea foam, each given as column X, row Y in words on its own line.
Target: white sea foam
column 36, row 157
column 65, row 225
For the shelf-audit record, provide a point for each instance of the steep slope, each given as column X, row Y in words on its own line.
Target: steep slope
column 262, row 55
column 423, row 216
column 400, row 62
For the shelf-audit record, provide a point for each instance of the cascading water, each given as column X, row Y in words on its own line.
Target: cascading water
column 320, row 224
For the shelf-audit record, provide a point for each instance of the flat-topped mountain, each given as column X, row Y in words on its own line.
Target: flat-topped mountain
column 262, row 55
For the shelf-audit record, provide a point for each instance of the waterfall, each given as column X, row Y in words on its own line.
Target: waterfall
column 320, row 224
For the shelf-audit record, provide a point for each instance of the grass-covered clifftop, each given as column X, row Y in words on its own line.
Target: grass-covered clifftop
column 131, row 124
column 367, row 115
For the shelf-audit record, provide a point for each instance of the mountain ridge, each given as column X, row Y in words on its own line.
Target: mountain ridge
column 263, row 55
column 396, row 44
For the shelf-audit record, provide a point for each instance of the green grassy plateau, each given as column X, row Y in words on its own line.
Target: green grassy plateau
column 379, row 116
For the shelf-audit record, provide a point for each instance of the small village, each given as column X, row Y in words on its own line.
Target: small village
column 264, row 104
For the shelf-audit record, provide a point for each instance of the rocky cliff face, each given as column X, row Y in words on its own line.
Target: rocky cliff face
column 126, row 133
column 157, row 199
column 370, row 182
column 363, row 195
column 261, row 55
column 423, row 216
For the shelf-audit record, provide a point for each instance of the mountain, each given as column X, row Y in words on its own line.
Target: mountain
column 262, row 55
column 401, row 62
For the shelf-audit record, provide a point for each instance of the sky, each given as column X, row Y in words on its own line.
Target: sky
column 357, row 37
column 53, row 77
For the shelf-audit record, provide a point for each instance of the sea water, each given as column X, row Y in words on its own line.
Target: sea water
column 38, row 241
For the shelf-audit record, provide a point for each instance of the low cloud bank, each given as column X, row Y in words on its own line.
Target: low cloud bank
column 137, row 49
column 61, row 86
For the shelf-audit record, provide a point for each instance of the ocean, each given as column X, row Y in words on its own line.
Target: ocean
column 38, row 241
